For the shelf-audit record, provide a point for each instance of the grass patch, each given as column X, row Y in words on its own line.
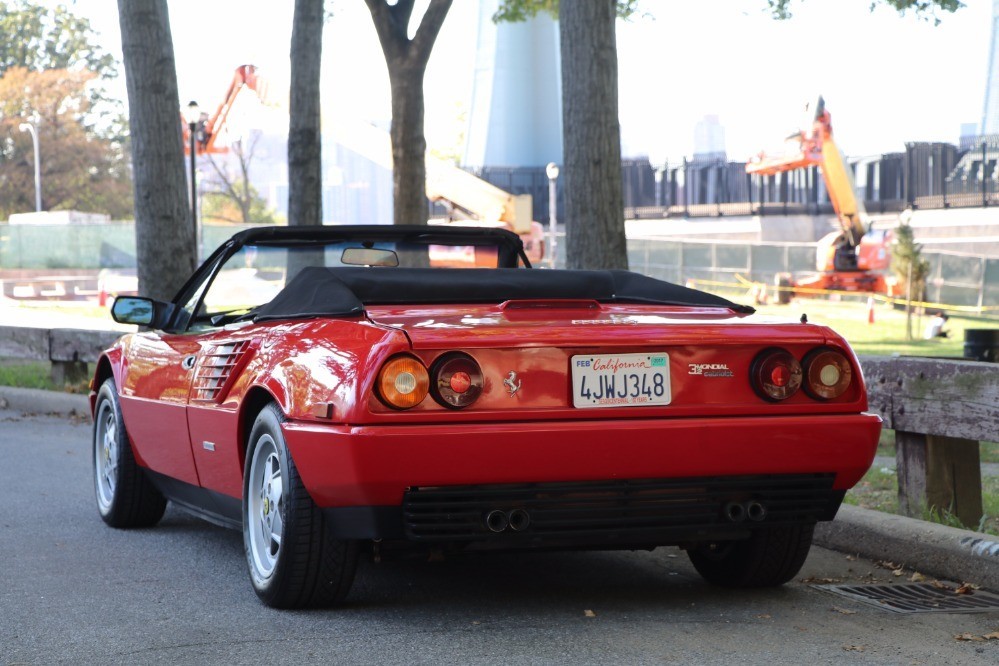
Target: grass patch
column 34, row 375
column 878, row 490
column 887, row 335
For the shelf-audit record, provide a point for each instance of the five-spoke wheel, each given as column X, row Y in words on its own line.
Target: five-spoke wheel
column 125, row 496
column 293, row 559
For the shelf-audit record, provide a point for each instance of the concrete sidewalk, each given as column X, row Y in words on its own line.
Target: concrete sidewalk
column 931, row 549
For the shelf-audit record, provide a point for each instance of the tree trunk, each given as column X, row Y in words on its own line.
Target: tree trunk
column 591, row 136
column 305, row 167
column 409, row 145
column 164, row 230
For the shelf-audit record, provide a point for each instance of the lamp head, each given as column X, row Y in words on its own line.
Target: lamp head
column 192, row 112
column 552, row 171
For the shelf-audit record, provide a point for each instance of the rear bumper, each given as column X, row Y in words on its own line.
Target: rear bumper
column 361, row 475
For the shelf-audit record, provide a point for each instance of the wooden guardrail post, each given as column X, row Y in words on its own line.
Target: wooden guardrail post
column 68, row 349
column 940, row 410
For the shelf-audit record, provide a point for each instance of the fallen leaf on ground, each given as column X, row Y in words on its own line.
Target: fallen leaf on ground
column 994, row 636
column 917, row 577
column 850, row 558
column 885, row 564
column 844, row 611
column 763, row 617
column 940, row 586
column 898, row 572
column 966, row 588
column 589, row 613
column 813, row 580
column 854, row 648
column 967, row 636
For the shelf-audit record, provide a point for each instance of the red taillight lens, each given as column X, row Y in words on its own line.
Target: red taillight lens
column 456, row 380
column 403, row 382
column 828, row 374
column 776, row 374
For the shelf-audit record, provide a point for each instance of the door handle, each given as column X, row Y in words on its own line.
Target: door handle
column 188, row 362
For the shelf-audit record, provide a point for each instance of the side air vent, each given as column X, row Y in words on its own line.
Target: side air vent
column 217, row 367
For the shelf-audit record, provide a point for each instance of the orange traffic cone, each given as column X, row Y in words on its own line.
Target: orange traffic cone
column 870, row 309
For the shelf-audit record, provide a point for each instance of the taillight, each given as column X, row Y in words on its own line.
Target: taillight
column 403, row 382
column 776, row 374
column 827, row 374
column 456, row 380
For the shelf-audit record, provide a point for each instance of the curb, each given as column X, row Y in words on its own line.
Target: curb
column 37, row 401
column 935, row 550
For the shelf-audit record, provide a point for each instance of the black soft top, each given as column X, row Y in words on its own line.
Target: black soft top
column 344, row 291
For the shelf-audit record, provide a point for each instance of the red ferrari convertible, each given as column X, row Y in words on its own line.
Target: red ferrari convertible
column 379, row 390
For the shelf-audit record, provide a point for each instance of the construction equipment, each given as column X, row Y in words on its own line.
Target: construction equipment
column 470, row 200
column 209, row 128
column 854, row 258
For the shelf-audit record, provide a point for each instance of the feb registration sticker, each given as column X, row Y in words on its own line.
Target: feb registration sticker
column 620, row 380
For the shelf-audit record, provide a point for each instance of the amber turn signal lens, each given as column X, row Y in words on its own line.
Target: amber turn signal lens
column 775, row 374
column 828, row 374
column 403, row 382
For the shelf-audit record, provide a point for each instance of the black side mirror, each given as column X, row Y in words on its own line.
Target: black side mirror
column 141, row 311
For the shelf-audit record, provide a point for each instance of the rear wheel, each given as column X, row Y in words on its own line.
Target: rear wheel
column 294, row 561
column 125, row 497
column 770, row 557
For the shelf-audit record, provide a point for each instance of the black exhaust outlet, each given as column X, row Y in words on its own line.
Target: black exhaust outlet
column 519, row 520
column 755, row 511
column 496, row 521
column 735, row 512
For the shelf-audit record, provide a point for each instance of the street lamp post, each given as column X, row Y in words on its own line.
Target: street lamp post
column 192, row 114
column 29, row 128
column 552, row 172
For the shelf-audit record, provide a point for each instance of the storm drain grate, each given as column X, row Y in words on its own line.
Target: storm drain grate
column 917, row 598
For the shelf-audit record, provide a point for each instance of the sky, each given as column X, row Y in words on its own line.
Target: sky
column 886, row 79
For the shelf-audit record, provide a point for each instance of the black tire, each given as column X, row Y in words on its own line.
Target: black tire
column 125, row 496
column 305, row 567
column 770, row 557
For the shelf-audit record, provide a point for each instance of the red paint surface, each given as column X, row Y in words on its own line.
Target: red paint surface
column 345, row 466
column 714, row 425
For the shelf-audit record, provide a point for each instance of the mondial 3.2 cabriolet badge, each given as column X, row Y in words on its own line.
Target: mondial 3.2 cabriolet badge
column 512, row 383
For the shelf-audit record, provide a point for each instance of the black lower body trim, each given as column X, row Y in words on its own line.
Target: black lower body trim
column 206, row 504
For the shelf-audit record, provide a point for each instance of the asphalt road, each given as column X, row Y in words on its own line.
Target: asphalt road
column 73, row 590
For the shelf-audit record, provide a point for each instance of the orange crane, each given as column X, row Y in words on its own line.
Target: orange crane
column 854, row 258
column 210, row 127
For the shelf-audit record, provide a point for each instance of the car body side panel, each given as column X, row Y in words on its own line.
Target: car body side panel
column 153, row 389
column 373, row 465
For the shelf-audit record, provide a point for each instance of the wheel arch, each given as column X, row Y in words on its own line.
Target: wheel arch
column 102, row 373
column 252, row 404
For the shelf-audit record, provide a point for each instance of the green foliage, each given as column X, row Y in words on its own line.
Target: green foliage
column 37, row 38
column 907, row 254
column 925, row 9
column 220, row 206
column 512, row 11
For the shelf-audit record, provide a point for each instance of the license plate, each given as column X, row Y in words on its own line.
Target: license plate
column 620, row 380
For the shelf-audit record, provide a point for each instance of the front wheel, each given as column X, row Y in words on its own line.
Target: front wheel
column 770, row 557
column 294, row 561
column 125, row 496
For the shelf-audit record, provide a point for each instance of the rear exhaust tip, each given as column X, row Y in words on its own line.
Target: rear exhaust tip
column 755, row 511
column 496, row 521
column 519, row 520
column 735, row 512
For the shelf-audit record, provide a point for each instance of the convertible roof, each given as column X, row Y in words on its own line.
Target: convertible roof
column 344, row 291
